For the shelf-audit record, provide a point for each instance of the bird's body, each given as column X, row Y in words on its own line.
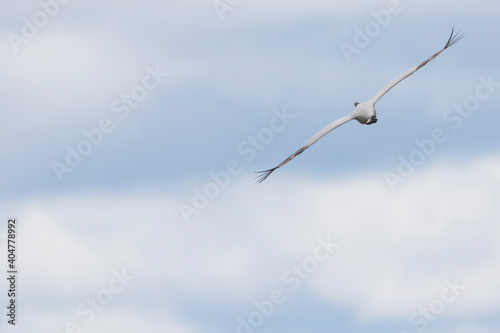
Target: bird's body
column 365, row 112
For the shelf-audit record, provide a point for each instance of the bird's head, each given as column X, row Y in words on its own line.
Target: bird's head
column 371, row 120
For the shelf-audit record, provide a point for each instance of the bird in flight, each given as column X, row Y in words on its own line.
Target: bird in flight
column 365, row 112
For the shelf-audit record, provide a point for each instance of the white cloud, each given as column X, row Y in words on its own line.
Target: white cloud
column 396, row 248
column 124, row 320
column 52, row 257
column 65, row 70
column 132, row 322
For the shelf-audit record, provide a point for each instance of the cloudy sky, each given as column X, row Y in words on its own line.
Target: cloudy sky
column 131, row 131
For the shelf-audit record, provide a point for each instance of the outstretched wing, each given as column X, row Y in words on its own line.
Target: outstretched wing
column 264, row 174
column 454, row 38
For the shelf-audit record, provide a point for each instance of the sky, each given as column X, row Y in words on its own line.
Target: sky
column 131, row 131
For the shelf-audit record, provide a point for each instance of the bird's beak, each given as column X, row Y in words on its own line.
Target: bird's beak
column 372, row 120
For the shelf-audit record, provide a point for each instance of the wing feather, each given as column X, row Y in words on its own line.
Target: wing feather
column 264, row 174
column 454, row 38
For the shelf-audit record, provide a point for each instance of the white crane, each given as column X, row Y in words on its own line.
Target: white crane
column 365, row 112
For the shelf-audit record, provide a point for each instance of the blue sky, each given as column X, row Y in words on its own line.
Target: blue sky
column 131, row 131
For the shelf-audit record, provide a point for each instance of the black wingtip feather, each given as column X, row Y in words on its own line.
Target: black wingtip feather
column 264, row 174
column 454, row 38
